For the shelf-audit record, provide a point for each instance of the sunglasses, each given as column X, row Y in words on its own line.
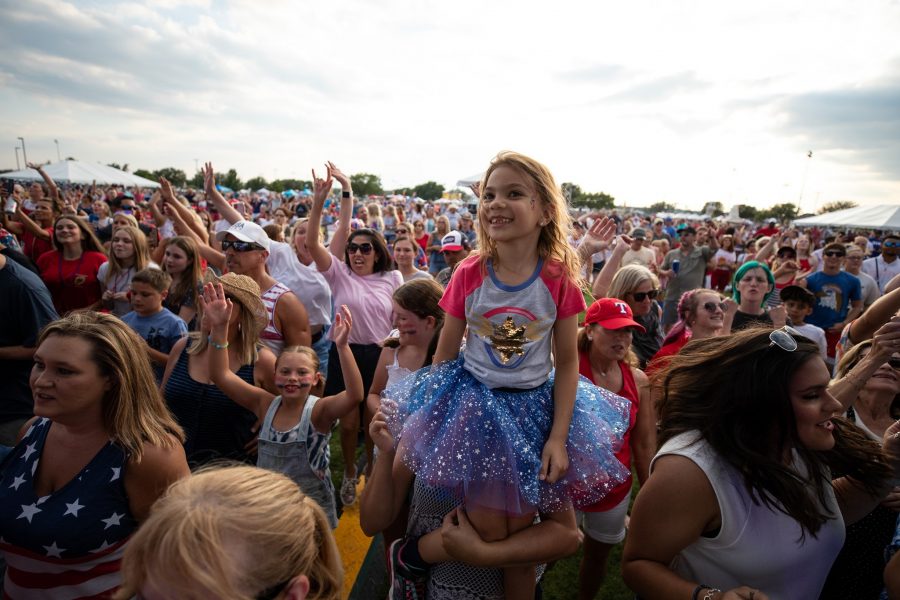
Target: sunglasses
column 785, row 338
column 894, row 361
column 366, row 249
column 711, row 307
column 639, row 296
column 891, row 244
column 833, row 253
column 239, row 246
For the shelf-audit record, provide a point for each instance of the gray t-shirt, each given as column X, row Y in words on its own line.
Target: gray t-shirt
column 691, row 271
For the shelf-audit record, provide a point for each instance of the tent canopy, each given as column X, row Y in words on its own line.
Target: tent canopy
column 73, row 171
column 882, row 216
column 471, row 180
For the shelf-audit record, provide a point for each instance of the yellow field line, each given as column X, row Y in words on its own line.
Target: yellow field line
column 352, row 542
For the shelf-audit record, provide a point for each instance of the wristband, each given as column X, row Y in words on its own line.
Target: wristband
column 345, row 194
column 216, row 345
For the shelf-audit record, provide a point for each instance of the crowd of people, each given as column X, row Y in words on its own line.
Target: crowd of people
column 510, row 380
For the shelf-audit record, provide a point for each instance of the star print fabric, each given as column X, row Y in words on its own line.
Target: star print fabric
column 454, row 432
column 72, row 539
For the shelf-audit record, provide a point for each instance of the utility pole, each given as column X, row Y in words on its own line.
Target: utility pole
column 24, row 154
column 18, row 167
column 58, row 156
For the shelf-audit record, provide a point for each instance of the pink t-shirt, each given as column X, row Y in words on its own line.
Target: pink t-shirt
column 508, row 341
column 369, row 298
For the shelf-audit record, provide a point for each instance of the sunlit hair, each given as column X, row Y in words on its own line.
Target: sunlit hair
column 735, row 392
column 192, row 276
column 383, row 260
column 553, row 242
column 141, row 259
column 232, row 532
column 442, row 220
column 687, row 308
column 727, row 243
column 628, row 278
column 375, row 219
column 130, row 219
column 134, row 412
column 302, row 350
column 89, row 241
column 241, row 290
column 421, row 297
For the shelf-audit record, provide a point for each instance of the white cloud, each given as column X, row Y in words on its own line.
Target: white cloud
column 647, row 101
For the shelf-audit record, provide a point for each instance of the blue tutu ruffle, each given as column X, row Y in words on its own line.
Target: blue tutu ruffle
column 454, row 432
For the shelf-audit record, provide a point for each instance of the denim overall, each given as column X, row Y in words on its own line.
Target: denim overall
column 292, row 459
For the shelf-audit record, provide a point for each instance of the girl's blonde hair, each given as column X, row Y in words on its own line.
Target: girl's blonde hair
column 141, row 253
column 134, row 411
column 553, row 242
column 132, row 221
column 233, row 532
column 193, row 274
column 628, row 278
column 375, row 219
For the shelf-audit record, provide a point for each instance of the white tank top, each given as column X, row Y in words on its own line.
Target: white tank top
column 755, row 546
column 270, row 336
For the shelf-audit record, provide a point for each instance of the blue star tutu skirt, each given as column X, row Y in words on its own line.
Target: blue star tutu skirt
column 454, row 432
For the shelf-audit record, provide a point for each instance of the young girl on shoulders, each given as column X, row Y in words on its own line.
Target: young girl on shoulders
column 296, row 426
column 498, row 425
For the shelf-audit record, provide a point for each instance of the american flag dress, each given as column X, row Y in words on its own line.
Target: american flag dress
column 67, row 544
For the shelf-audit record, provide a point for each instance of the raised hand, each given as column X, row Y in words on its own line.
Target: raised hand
column 166, row 189
column 379, row 430
column 215, row 306
column 209, row 179
column 321, row 187
column 34, row 166
column 338, row 175
column 600, row 233
column 343, row 323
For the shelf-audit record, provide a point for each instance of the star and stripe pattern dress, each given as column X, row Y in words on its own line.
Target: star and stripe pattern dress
column 68, row 544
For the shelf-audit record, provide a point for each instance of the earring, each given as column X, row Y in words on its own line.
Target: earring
column 590, row 338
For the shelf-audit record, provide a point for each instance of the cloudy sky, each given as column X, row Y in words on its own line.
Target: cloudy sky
column 685, row 102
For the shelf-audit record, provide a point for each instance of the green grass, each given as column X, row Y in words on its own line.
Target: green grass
column 560, row 582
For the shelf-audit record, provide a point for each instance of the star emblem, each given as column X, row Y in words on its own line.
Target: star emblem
column 29, row 450
column 115, row 474
column 73, row 508
column 102, row 547
column 28, row 511
column 113, row 520
column 54, row 551
column 19, row 480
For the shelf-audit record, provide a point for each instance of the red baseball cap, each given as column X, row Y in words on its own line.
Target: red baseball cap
column 612, row 313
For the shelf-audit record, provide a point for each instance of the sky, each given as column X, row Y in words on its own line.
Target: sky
column 681, row 102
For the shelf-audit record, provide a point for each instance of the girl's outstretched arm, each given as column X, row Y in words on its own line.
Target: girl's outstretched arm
column 451, row 338
column 331, row 408
column 554, row 459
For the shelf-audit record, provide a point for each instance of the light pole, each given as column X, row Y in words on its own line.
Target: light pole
column 58, row 156
column 17, row 158
column 24, row 154
column 809, row 156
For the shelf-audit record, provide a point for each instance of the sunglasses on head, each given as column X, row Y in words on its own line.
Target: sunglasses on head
column 785, row 338
column 833, row 253
column 711, row 307
column 366, row 248
column 239, row 246
column 639, row 296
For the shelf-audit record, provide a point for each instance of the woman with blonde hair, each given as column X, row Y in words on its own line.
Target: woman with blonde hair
column 375, row 221
column 86, row 470
column 237, row 532
column 128, row 254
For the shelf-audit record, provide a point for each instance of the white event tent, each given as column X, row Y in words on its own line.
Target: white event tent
column 73, row 171
column 880, row 216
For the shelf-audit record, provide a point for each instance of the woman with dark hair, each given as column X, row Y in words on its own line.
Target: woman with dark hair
column 740, row 496
column 875, row 365
column 363, row 277
column 70, row 270
column 752, row 285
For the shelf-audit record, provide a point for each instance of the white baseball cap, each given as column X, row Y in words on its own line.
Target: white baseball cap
column 452, row 242
column 246, row 231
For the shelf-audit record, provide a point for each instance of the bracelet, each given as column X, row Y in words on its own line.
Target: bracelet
column 709, row 593
column 345, row 194
column 216, row 345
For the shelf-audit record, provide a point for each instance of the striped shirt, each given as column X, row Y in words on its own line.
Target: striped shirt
column 270, row 336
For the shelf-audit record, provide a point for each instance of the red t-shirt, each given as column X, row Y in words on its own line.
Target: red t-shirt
column 629, row 390
column 35, row 246
column 73, row 284
column 423, row 241
column 661, row 358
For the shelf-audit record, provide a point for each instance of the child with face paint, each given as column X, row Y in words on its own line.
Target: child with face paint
column 296, row 426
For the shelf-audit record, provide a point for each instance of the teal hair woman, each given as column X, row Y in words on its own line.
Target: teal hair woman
column 753, row 284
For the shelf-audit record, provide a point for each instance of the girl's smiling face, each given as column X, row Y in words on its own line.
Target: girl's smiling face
column 295, row 374
column 411, row 326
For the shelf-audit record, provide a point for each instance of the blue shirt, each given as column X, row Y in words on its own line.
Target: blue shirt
column 161, row 330
column 834, row 293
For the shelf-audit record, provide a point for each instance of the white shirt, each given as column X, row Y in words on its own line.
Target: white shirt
column 881, row 271
column 870, row 291
column 816, row 334
column 306, row 282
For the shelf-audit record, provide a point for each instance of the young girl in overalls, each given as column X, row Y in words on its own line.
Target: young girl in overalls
column 296, row 427
column 497, row 425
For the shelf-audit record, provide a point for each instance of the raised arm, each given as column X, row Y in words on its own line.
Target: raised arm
column 846, row 389
column 188, row 217
column 158, row 217
column 54, row 191
column 596, row 239
column 213, row 195
column 320, row 254
column 29, row 225
column 768, row 250
column 217, row 312
column 877, row 315
column 605, row 277
column 339, row 239
column 331, row 408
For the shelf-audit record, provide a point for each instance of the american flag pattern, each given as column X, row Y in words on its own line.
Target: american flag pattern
column 68, row 544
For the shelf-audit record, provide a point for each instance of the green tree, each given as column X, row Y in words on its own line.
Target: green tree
column 571, row 191
column 229, row 179
column 366, row 184
column 780, row 212
column 176, row 176
column 837, row 205
column 746, row 211
column 197, row 180
column 595, row 201
column 429, row 190
column 118, row 166
column 658, row 207
column 256, row 183
column 145, row 174
column 280, row 185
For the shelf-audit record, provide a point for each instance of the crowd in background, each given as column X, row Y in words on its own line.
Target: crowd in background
column 158, row 331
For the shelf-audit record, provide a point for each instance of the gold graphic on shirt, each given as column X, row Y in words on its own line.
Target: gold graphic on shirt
column 508, row 340
column 79, row 280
